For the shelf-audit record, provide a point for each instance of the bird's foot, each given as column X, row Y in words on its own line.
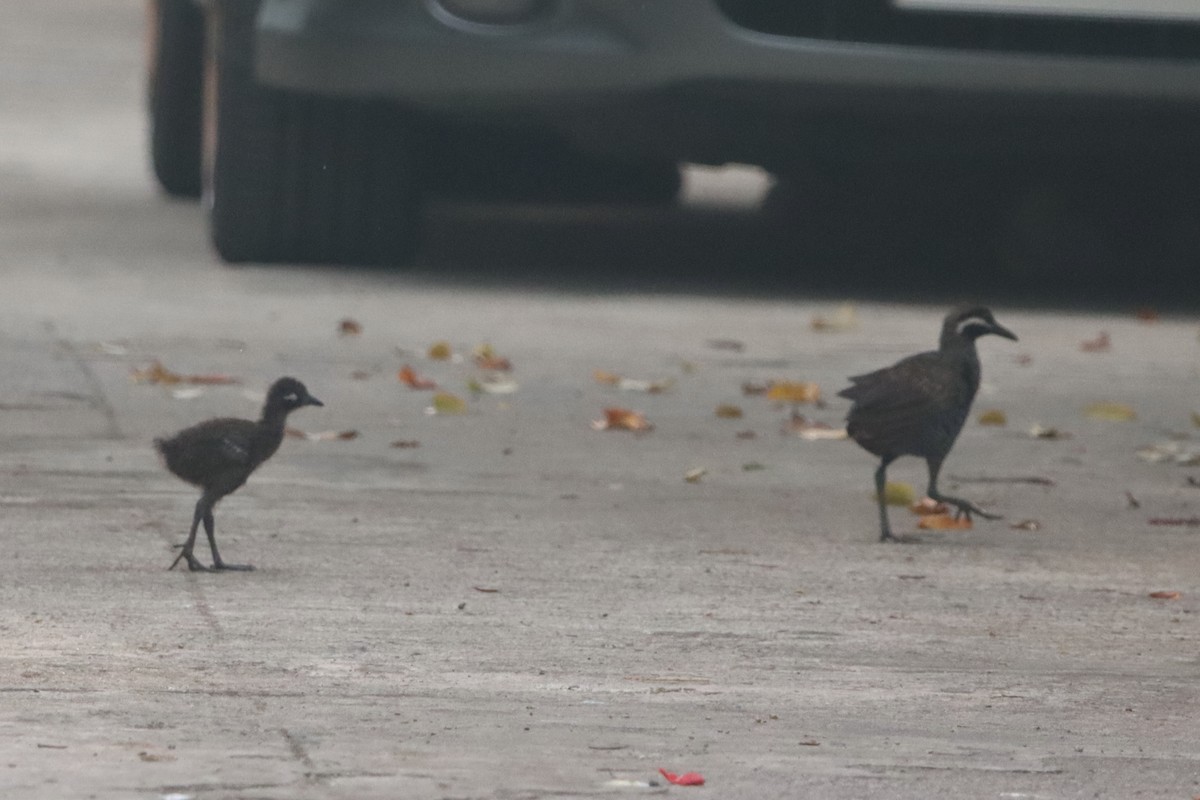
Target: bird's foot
column 221, row 566
column 965, row 508
column 193, row 563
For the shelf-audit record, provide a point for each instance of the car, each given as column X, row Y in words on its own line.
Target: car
column 316, row 130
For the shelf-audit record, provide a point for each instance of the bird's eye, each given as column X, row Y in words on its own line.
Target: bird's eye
column 291, row 397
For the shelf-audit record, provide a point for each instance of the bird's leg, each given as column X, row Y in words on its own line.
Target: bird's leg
column 885, row 529
column 961, row 507
column 186, row 552
column 218, row 564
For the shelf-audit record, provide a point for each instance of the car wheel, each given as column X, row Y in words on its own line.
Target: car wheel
column 480, row 163
column 175, row 64
column 295, row 177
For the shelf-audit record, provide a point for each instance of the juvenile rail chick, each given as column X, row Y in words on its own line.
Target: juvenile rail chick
column 218, row 456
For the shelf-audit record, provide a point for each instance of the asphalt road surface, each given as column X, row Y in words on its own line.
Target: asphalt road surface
column 513, row 604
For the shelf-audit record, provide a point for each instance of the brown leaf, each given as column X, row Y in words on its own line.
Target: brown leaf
column 487, row 358
column 156, row 373
column 1101, row 344
column 409, row 377
column 622, row 419
column 1166, row 595
column 406, row 443
column 694, row 475
column 794, row 392
column 993, row 416
column 349, row 327
column 944, row 522
column 751, row 389
column 485, row 590
column 1147, row 314
column 729, row 411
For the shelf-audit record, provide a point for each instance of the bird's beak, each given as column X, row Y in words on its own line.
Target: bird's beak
column 312, row 401
column 1000, row 330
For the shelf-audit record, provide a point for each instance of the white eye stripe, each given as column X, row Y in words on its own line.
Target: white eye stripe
column 972, row 322
column 291, row 397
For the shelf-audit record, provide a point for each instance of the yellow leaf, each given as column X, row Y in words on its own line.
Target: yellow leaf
column 694, row 475
column 440, row 351
column 993, row 416
column 897, row 493
column 606, row 378
column 794, row 392
column 446, row 403
column 1112, row 412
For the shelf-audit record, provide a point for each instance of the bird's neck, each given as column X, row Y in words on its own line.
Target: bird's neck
column 273, row 418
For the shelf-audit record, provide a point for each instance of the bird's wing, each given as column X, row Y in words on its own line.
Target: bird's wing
column 895, row 407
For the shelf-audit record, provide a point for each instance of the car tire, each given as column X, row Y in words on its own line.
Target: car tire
column 174, row 96
column 533, row 166
column 291, row 177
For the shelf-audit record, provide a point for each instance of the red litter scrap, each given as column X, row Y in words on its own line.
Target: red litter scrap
column 686, row 779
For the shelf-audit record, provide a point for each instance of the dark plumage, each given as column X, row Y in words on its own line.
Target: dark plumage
column 917, row 406
column 218, row 455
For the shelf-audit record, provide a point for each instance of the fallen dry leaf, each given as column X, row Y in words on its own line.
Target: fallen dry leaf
column 492, row 384
column 1131, row 501
column 897, row 493
column 649, row 387
column 1172, row 451
column 1050, row 434
column 1111, row 412
column 812, row 430
column 1032, row 480
column 405, row 443
column 409, row 377
column 322, row 436
column 447, row 403
column 349, row 327
column 686, row 779
column 1147, row 314
column 1026, row 525
column 486, row 358
column 845, row 318
column 485, row 590
column 606, row 378
column 1166, row 595
column 156, row 373
column 621, row 419
column 794, row 392
column 1101, row 344
column 729, row 411
column 751, row 389
column 945, row 522
column 927, row 506
column 993, row 416
column 694, row 475
column 440, row 351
